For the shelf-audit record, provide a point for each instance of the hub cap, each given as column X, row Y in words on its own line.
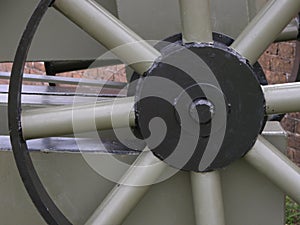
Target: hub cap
column 200, row 107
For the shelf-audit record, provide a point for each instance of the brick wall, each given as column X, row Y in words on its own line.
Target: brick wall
column 278, row 63
column 30, row 67
column 291, row 124
column 113, row 73
column 116, row 73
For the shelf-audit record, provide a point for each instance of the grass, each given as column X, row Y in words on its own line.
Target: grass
column 292, row 212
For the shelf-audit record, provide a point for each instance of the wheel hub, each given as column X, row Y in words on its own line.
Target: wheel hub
column 200, row 107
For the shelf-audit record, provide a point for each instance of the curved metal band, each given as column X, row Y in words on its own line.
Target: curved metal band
column 33, row 184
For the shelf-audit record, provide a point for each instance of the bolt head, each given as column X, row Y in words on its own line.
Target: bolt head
column 202, row 110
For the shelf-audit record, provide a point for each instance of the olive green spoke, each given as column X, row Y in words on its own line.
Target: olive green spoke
column 265, row 27
column 207, row 195
column 61, row 120
column 195, row 19
column 276, row 166
column 291, row 31
column 110, row 32
column 131, row 188
column 282, row 98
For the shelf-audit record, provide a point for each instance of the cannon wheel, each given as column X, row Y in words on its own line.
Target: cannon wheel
column 245, row 51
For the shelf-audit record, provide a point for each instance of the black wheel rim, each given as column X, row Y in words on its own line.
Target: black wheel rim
column 30, row 178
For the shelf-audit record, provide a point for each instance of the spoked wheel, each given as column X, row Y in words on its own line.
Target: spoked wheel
column 198, row 104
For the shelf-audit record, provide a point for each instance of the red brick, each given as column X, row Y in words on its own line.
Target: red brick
column 297, row 157
column 297, row 127
column 281, row 78
column 265, row 61
column 29, row 65
column 36, row 71
column 121, row 67
column 8, row 67
column 275, row 77
column 60, row 74
column 75, row 74
column 288, row 124
column 5, row 67
column 291, row 153
column 273, row 49
column 39, row 66
column 91, row 74
column 294, row 115
column 286, row 50
column 269, row 76
column 294, row 141
column 120, row 77
column 27, row 70
column 281, row 65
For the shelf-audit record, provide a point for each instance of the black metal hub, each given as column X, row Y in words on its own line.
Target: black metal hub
column 200, row 107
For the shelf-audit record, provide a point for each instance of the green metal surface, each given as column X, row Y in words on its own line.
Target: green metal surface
column 244, row 199
column 54, row 34
column 249, row 198
column 62, row 120
column 37, row 97
column 109, row 31
column 291, row 32
column 129, row 191
column 282, row 98
column 265, row 27
column 195, row 20
column 154, row 20
column 158, row 19
column 208, row 199
column 267, row 159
